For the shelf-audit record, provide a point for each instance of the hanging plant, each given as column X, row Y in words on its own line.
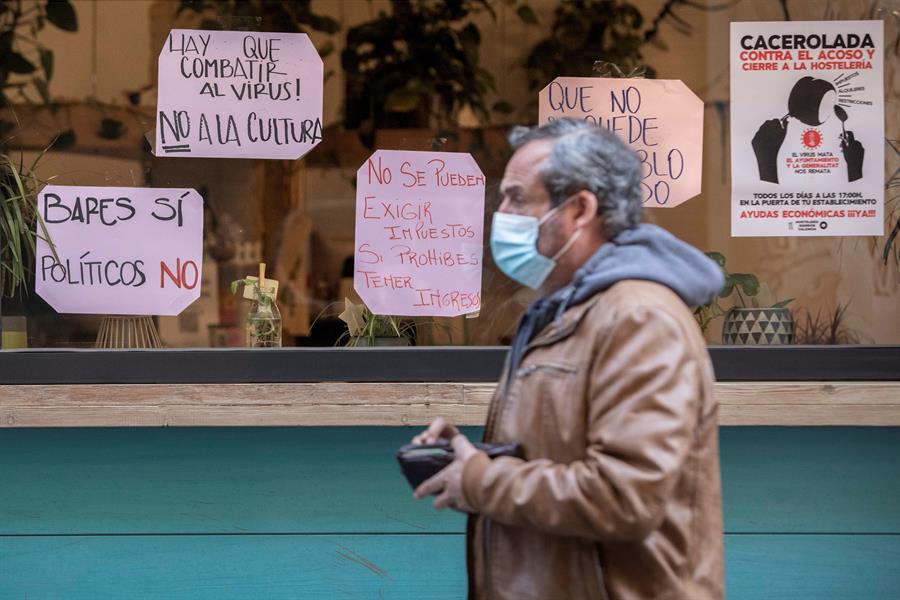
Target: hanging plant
column 26, row 65
column 418, row 66
column 290, row 16
column 584, row 34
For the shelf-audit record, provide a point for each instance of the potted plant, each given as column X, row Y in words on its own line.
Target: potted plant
column 366, row 329
column 892, row 208
column 18, row 218
column 754, row 318
column 264, row 318
column 828, row 328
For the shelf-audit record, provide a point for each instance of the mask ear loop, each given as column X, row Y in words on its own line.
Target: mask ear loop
column 550, row 214
column 567, row 245
column 571, row 240
column 553, row 211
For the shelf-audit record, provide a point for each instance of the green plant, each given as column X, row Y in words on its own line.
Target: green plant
column 18, row 216
column 291, row 16
column 363, row 324
column 264, row 320
column 26, row 64
column 584, row 34
column 378, row 326
column 892, row 208
column 669, row 13
column 418, row 62
column 249, row 282
column 20, row 52
column 824, row 329
column 742, row 288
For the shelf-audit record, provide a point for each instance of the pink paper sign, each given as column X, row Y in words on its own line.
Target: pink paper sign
column 120, row 251
column 661, row 119
column 237, row 94
column 419, row 233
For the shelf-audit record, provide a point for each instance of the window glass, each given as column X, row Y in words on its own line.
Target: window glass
column 79, row 106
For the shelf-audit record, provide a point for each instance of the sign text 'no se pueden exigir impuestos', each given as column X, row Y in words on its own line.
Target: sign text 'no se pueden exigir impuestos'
column 419, row 232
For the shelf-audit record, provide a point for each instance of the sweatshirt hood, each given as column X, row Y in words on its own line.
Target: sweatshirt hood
column 648, row 253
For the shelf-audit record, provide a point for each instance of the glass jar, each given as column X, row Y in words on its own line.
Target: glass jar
column 13, row 332
column 264, row 320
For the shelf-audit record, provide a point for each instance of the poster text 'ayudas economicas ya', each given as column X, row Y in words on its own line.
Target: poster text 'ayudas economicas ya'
column 807, row 128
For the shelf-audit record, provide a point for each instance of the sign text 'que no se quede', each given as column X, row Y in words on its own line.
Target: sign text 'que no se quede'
column 660, row 119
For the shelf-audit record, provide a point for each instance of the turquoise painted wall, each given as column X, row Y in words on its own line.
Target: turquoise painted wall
column 811, row 513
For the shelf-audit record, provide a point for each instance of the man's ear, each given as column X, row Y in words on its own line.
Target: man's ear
column 586, row 203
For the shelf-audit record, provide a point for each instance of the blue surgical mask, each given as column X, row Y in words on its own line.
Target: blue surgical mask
column 514, row 247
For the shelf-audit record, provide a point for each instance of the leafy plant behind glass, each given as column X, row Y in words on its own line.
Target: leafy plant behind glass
column 263, row 328
column 18, row 215
column 824, row 329
column 585, row 33
column 892, row 208
column 375, row 327
column 742, row 287
column 22, row 57
column 289, row 16
column 363, row 327
column 397, row 64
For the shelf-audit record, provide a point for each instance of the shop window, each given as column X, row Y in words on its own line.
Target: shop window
column 79, row 102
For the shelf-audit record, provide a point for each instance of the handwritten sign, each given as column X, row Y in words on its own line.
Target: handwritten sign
column 235, row 94
column 661, row 119
column 120, row 251
column 419, row 233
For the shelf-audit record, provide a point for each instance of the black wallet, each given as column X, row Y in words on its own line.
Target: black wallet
column 418, row 462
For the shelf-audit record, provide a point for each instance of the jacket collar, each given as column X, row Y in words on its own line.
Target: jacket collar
column 564, row 325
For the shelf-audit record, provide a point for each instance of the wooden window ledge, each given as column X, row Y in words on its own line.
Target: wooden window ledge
column 786, row 403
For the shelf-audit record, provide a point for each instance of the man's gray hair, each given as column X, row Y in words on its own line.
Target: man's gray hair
column 588, row 157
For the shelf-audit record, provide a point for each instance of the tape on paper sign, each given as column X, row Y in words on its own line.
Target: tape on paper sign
column 119, row 251
column 237, row 94
column 419, row 233
column 661, row 119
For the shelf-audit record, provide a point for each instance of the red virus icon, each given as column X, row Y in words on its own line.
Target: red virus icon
column 812, row 138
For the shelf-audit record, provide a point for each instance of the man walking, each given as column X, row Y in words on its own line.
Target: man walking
column 608, row 386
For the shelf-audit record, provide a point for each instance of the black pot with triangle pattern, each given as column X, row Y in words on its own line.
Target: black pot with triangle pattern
column 758, row 326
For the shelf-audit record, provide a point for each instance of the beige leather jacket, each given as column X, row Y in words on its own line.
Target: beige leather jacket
column 619, row 497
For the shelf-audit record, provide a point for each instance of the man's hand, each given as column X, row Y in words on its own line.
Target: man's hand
column 447, row 484
column 438, row 429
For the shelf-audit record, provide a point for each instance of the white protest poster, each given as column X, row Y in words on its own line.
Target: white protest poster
column 119, row 251
column 419, row 233
column 238, row 94
column 807, row 128
column 660, row 119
